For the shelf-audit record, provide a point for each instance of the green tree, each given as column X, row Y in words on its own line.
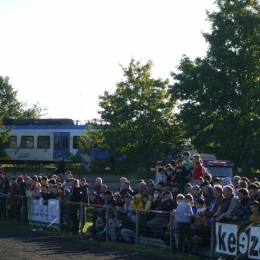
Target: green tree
column 139, row 116
column 220, row 93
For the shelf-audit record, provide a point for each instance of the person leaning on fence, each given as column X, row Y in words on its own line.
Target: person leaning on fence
column 253, row 191
column 207, row 191
column 215, row 204
column 243, row 207
column 228, row 208
column 182, row 218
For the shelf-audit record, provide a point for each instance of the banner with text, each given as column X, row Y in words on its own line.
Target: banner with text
column 41, row 215
column 238, row 240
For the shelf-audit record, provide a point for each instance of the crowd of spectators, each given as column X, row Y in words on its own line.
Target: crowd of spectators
column 186, row 190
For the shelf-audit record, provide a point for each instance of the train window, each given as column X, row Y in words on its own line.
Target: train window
column 27, row 142
column 65, row 142
column 57, row 142
column 12, row 142
column 76, row 141
column 43, row 142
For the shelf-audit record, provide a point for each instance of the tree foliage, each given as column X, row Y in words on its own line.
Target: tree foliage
column 220, row 93
column 139, row 116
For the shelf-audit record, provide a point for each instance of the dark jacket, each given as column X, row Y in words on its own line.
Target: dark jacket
column 244, row 210
column 75, row 195
column 61, row 167
column 84, row 193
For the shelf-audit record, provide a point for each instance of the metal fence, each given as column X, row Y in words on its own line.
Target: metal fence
column 82, row 217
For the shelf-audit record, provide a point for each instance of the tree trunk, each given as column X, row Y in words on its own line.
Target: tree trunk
column 245, row 167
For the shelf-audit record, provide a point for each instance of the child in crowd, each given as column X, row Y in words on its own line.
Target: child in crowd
column 200, row 206
column 60, row 194
column 146, row 202
column 182, row 221
column 180, row 198
column 127, row 205
column 99, row 225
column 254, row 206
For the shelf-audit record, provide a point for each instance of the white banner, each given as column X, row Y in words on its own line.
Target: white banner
column 45, row 214
column 240, row 240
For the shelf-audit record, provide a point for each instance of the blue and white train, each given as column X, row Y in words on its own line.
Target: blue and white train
column 42, row 140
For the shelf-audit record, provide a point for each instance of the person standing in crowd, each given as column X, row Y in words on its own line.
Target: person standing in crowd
column 182, row 221
column 181, row 174
column 197, row 171
column 14, row 198
column 74, row 203
column 126, row 189
column 83, row 186
column 187, row 163
column 61, row 166
column 98, row 183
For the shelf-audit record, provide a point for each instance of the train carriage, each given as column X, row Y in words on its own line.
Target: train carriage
column 42, row 140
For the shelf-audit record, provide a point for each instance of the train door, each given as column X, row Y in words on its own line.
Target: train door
column 61, row 145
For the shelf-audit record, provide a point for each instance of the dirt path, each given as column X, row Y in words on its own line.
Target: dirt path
column 21, row 243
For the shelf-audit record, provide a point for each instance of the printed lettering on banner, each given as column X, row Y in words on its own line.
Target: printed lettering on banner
column 254, row 243
column 226, row 239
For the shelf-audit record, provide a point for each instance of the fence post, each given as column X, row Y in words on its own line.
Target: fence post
column 212, row 240
column 171, row 232
column 60, row 219
column 136, row 226
column 81, row 219
column 6, row 208
column 22, row 211
column 107, row 223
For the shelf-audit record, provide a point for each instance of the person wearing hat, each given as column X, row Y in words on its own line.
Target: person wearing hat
column 226, row 181
column 207, row 191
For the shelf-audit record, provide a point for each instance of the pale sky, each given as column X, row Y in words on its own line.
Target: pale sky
column 65, row 53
